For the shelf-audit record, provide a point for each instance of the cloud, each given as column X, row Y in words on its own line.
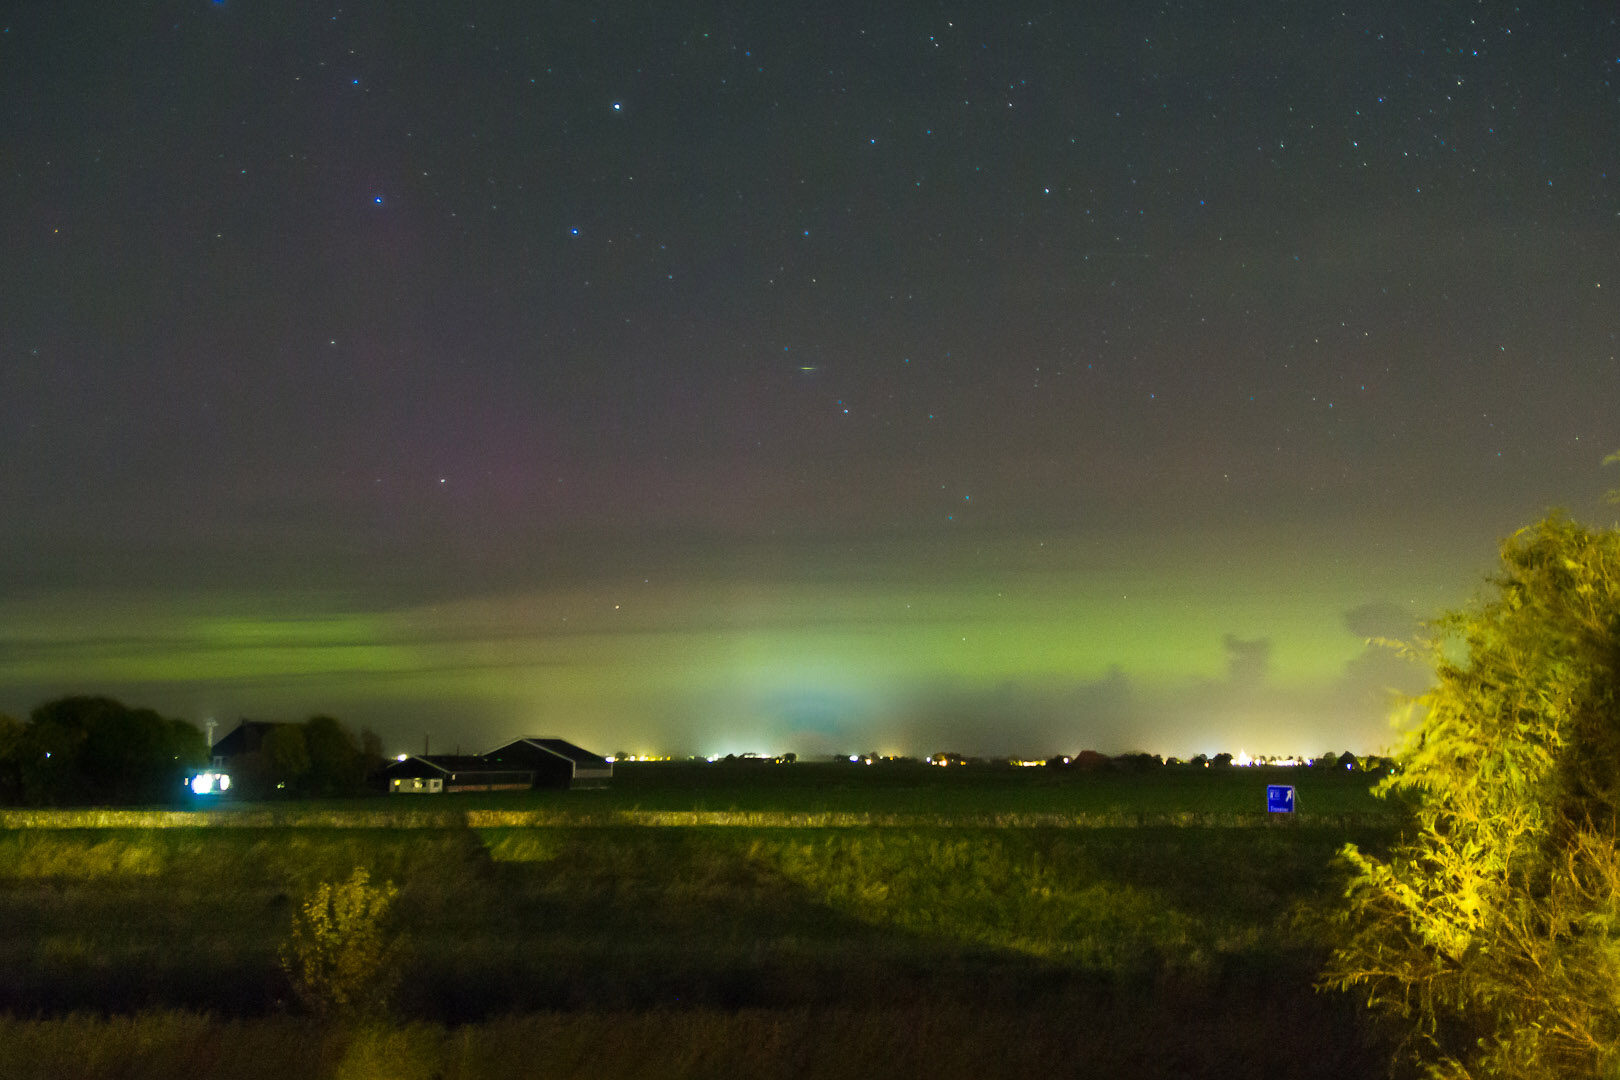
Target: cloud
column 1381, row 619
column 1248, row 662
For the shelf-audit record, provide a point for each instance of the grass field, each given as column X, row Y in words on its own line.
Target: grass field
column 971, row 938
column 815, row 794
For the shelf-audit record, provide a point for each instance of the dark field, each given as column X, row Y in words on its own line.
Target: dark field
column 938, row 946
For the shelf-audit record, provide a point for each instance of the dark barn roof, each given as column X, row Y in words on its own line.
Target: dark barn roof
column 245, row 738
column 459, row 770
column 556, row 761
column 581, row 757
column 437, row 765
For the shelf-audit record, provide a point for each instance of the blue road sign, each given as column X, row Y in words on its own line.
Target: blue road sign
column 1280, row 798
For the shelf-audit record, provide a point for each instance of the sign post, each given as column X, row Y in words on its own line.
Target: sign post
column 1280, row 798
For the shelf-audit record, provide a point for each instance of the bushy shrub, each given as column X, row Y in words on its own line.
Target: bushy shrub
column 343, row 954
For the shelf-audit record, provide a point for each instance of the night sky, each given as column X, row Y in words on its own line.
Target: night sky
column 693, row 378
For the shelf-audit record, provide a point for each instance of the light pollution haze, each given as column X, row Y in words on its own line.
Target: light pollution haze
column 1026, row 646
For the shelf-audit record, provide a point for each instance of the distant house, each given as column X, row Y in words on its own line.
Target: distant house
column 245, row 738
column 432, row 774
column 553, row 762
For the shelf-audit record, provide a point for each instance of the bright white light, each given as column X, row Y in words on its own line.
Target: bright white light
column 208, row 783
column 402, row 757
column 1243, row 759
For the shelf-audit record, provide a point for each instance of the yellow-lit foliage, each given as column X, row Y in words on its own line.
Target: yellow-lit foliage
column 1490, row 932
column 411, row 1052
column 342, row 956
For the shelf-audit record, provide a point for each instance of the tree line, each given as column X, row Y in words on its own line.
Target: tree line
column 84, row 750
column 319, row 758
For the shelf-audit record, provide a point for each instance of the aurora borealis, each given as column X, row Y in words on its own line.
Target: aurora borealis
column 707, row 378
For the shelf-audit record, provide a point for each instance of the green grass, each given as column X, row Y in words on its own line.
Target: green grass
column 907, row 788
column 814, row 794
column 622, row 917
column 948, row 943
column 1099, row 1038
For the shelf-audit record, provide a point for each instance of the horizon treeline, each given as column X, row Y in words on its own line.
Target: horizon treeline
column 90, row 750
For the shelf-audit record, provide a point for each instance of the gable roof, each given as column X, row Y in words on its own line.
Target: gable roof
column 581, row 757
column 449, row 764
column 455, row 767
column 246, row 737
column 554, row 758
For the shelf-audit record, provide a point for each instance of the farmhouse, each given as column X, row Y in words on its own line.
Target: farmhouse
column 431, row 774
column 554, row 762
column 245, row 738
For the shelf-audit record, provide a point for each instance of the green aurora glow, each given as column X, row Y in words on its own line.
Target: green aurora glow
column 1025, row 646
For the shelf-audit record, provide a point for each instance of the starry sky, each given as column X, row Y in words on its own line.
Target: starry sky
column 710, row 377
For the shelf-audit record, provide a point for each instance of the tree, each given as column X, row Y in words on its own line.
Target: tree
column 285, row 756
column 11, row 747
column 371, row 754
column 1491, row 932
column 98, row 750
column 335, row 763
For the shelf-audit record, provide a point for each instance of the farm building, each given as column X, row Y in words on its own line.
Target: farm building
column 245, row 738
column 431, row 774
column 554, row 762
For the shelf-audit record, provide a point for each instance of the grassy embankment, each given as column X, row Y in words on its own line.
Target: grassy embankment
column 607, row 949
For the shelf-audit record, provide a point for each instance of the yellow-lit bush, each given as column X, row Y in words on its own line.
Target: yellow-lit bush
column 1491, row 933
column 343, row 954
column 413, row 1052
